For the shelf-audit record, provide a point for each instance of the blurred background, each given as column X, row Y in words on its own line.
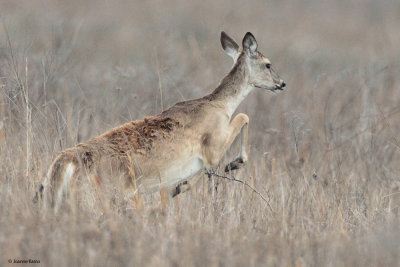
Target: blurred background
column 326, row 150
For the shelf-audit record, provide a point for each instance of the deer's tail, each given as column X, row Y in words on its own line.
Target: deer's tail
column 59, row 176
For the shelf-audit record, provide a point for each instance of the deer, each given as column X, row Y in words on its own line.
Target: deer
column 172, row 150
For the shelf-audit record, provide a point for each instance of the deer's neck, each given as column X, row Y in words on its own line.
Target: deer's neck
column 233, row 89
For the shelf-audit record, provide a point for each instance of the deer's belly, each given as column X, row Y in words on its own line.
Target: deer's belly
column 173, row 173
column 185, row 170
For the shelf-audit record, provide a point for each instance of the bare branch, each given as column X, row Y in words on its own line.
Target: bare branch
column 212, row 173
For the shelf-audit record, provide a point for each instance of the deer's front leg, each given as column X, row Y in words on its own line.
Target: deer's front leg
column 242, row 158
column 215, row 148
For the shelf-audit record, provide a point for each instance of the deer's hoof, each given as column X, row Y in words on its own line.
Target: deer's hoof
column 234, row 165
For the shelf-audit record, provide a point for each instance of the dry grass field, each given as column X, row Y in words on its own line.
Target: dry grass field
column 326, row 151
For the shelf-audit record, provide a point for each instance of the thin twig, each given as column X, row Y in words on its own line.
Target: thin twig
column 211, row 173
column 28, row 121
column 159, row 83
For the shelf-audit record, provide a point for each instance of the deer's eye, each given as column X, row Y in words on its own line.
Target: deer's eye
column 268, row 65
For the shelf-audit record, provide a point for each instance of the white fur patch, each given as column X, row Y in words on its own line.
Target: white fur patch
column 69, row 171
column 232, row 103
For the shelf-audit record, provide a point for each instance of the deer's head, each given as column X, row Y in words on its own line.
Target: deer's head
column 258, row 67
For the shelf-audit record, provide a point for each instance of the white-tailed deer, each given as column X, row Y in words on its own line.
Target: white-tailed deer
column 172, row 149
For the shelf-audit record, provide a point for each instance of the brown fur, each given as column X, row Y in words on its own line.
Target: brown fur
column 120, row 143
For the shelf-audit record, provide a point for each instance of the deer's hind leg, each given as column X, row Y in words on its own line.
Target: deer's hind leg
column 186, row 185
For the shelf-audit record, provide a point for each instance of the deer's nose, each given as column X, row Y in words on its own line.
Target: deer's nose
column 283, row 84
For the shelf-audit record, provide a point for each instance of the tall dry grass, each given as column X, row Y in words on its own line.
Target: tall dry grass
column 326, row 150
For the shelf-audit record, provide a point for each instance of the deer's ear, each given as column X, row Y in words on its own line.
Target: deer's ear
column 230, row 47
column 249, row 43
